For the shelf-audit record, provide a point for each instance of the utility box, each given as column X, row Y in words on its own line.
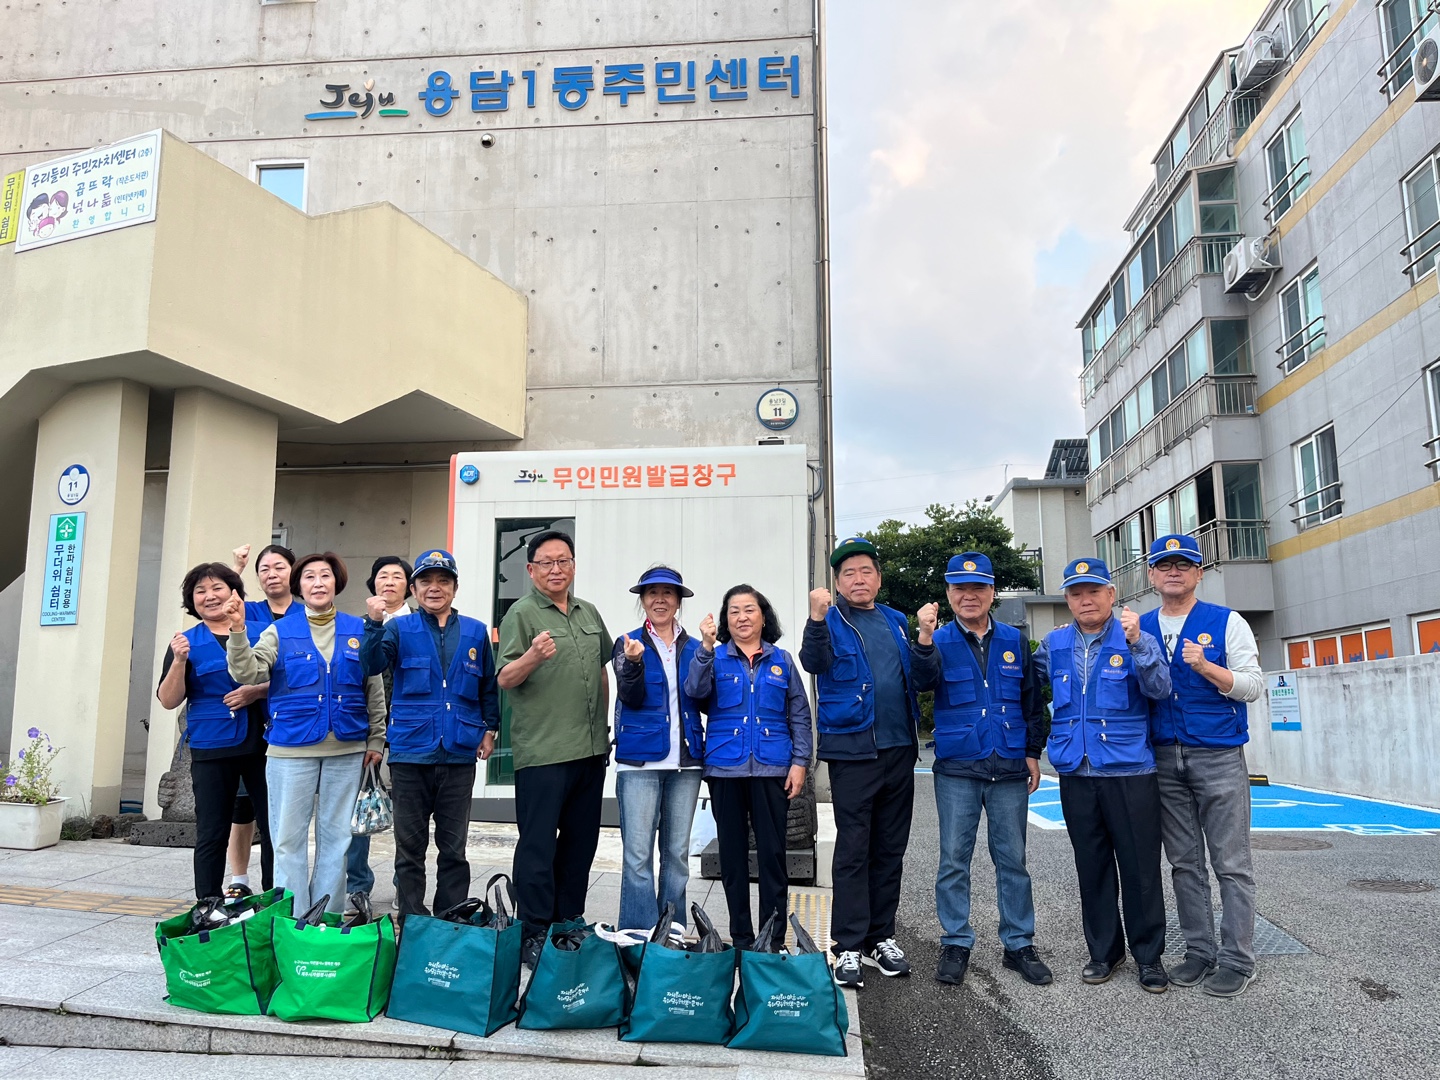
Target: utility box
column 722, row 516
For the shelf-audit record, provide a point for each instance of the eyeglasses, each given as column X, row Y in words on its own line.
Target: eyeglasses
column 1174, row 564
column 549, row 564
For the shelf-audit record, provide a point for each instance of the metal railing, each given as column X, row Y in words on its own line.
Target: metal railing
column 1397, row 70
column 1280, row 198
column 1224, row 540
column 1322, row 504
column 1421, row 264
column 1244, row 108
column 1303, row 39
column 1211, row 396
column 1432, row 446
column 1037, row 564
column 1200, row 255
column 1301, row 345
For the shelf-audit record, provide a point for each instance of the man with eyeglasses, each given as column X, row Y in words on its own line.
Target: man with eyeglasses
column 553, row 653
column 1199, row 733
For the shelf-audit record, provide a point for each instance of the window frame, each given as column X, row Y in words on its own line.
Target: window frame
column 1308, row 643
column 1325, row 510
column 1297, row 185
column 1415, row 621
column 303, row 164
column 1315, row 342
column 1432, row 255
column 1402, row 67
column 1432, row 406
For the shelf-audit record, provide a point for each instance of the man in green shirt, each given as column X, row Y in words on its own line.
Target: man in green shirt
column 553, row 653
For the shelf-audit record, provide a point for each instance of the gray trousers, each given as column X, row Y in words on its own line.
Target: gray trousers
column 1205, row 802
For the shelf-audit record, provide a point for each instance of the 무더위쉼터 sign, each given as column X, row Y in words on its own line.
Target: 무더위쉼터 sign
column 60, row 598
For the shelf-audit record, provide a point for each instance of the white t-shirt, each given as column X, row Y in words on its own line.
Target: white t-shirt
column 1242, row 655
column 668, row 659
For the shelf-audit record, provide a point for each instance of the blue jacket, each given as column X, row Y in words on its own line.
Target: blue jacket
column 210, row 724
column 310, row 699
column 1106, row 721
column 834, row 652
column 979, row 713
column 758, row 719
column 434, row 705
column 1196, row 713
column 642, row 704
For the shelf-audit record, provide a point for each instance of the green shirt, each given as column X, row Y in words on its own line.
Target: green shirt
column 558, row 713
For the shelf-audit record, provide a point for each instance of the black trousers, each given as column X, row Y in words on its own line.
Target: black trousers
column 739, row 805
column 215, row 782
column 1114, row 822
column 873, row 803
column 557, row 808
column 423, row 792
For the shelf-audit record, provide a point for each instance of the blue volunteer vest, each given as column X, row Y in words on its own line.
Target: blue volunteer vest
column 429, row 707
column 1108, row 721
column 210, row 724
column 259, row 611
column 309, row 698
column 845, row 695
column 643, row 733
column 977, row 713
column 1196, row 713
column 749, row 718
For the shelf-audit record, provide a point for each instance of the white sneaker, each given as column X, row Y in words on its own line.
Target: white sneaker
column 888, row 957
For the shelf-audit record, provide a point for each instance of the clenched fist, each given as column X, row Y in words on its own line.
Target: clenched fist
column 543, row 645
column 819, row 604
column 180, row 646
column 234, row 612
column 1194, row 655
column 241, row 557
column 1130, row 622
column 375, row 608
column 928, row 617
column 634, row 649
column 708, row 635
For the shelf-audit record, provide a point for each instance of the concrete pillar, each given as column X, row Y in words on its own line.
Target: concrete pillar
column 72, row 681
column 220, row 493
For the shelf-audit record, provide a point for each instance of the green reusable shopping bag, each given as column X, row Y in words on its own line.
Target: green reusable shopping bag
column 789, row 1001
column 230, row 969
column 580, row 987
column 464, row 976
column 332, row 973
column 682, row 996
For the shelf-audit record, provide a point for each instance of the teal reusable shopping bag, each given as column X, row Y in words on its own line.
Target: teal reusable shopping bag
column 230, row 969
column 464, row 976
column 682, row 996
column 789, row 1002
column 581, row 987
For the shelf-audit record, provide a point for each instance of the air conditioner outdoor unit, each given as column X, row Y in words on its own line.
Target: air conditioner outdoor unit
column 1427, row 68
column 1262, row 57
column 1250, row 263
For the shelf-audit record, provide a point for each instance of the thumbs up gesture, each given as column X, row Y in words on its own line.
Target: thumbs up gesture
column 634, row 649
column 1131, row 624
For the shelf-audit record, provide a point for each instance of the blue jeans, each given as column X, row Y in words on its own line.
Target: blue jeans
column 323, row 788
column 658, row 801
column 1006, row 803
column 358, row 875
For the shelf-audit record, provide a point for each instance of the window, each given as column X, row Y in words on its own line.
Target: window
column 1432, row 396
column 1288, row 166
column 1403, row 23
column 1184, row 218
column 1163, row 517
column 1135, row 278
column 1427, row 632
column 1317, row 478
column 1165, row 237
column 1230, row 346
column 1304, row 18
column 285, row 179
column 1219, row 206
column 1422, row 214
column 1187, row 508
column 1302, row 320
column 1353, row 646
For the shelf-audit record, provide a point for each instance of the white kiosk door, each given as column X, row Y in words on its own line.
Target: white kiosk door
column 719, row 515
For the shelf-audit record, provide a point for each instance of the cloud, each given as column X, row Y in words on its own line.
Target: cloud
column 983, row 159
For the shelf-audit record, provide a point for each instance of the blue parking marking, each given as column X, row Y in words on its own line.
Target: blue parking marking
column 1282, row 807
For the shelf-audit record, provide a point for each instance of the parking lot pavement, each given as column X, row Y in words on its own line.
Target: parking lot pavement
column 1360, row 1000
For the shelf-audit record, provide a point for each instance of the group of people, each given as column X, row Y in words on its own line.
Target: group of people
column 289, row 701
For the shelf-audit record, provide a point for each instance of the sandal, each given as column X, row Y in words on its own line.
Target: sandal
column 237, row 891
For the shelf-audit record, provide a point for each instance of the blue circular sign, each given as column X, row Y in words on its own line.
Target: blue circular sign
column 74, row 483
column 469, row 474
column 777, row 409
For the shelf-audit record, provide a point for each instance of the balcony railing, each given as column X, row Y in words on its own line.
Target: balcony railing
column 1420, row 253
column 1201, row 255
column 1212, row 396
column 1287, row 189
column 1304, row 37
column 1301, row 345
column 1037, row 563
column 1244, row 108
column 1209, row 146
column 1432, row 447
column 1317, row 506
column 1226, row 540
column 1397, row 70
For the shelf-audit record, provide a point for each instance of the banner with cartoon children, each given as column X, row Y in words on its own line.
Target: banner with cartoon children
column 94, row 191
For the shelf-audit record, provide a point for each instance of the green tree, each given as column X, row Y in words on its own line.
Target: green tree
column 913, row 557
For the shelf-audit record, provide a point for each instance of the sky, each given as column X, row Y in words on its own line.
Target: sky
column 983, row 160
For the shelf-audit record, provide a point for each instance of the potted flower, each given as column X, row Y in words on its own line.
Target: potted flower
column 30, row 810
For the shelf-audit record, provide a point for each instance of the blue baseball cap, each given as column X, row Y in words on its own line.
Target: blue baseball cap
column 970, row 566
column 1175, row 546
column 661, row 575
column 1086, row 570
column 435, row 559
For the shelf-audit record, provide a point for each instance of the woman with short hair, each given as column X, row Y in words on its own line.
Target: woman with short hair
column 757, row 750
column 327, row 721
column 224, row 724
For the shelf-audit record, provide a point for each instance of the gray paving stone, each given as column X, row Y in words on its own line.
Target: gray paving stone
column 24, row 929
column 63, row 865
column 78, row 1064
column 599, row 1045
column 125, row 943
column 46, row 986
column 13, row 1058
column 272, row 1043
column 38, row 1027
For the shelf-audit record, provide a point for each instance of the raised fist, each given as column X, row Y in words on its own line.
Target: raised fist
column 634, row 650
column 819, row 604
column 241, row 557
column 928, row 617
column 234, row 612
column 708, row 635
column 375, row 608
column 544, row 645
column 1130, row 622
column 1194, row 655
column 180, row 646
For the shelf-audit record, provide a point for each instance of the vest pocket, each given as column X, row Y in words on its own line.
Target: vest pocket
column 728, row 692
column 773, row 747
column 412, row 727
column 469, row 682
column 956, row 740
column 844, row 668
column 642, row 737
column 1113, row 689
column 1124, row 746
column 724, row 744
column 1012, row 725
column 414, row 675
column 1064, row 748
column 770, row 690
column 1060, row 689
column 301, row 669
column 957, row 671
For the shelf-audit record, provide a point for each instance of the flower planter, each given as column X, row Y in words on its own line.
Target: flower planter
column 28, row 826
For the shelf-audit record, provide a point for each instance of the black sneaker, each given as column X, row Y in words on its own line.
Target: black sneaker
column 1226, row 982
column 954, row 960
column 1153, row 978
column 1098, row 971
column 888, row 957
column 530, row 951
column 1028, row 963
column 208, row 914
column 847, row 972
column 1191, row 972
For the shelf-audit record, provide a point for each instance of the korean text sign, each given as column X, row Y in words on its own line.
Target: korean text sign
column 94, row 191
column 60, row 600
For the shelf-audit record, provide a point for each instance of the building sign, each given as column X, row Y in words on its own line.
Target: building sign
column 632, row 477
column 11, row 189
column 1284, row 702
column 777, row 409
column 663, row 82
column 61, row 600
column 91, row 192
column 74, row 484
